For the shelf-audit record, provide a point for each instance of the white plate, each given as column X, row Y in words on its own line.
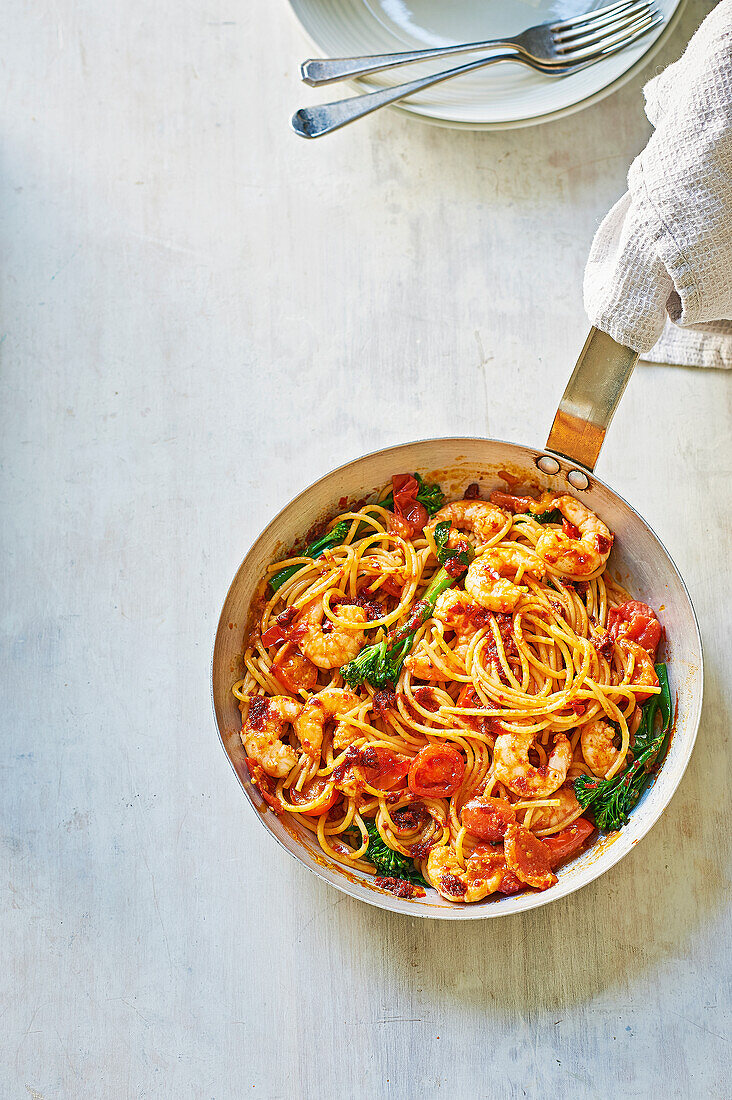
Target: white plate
column 499, row 97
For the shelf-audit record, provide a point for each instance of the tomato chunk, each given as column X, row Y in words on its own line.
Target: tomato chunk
column 316, row 789
column 436, row 772
column 284, row 628
column 469, row 699
column 511, row 503
column 637, row 622
column 293, row 670
column 407, row 508
column 528, row 858
column 563, row 845
column 488, row 818
column 382, row 768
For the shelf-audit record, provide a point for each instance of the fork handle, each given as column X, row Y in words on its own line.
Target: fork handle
column 313, row 122
column 320, row 71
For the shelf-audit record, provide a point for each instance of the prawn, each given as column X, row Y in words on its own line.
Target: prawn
column 310, row 723
column 548, row 817
column 643, row 669
column 598, row 747
column 344, row 735
column 458, row 614
column 487, row 580
column 339, row 646
column 262, row 729
column 476, row 517
column 421, row 665
column 513, row 768
column 483, row 873
column 579, row 556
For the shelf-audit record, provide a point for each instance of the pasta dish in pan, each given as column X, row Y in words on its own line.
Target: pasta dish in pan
column 454, row 695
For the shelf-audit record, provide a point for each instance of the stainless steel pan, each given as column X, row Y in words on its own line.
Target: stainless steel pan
column 638, row 558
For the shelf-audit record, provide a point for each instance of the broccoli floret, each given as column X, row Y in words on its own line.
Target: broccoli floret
column 376, row 664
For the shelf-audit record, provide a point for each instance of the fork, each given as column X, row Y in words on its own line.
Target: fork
column 578, row 52
column 555, row 43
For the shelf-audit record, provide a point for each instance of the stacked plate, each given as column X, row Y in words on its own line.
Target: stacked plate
column 499, row 97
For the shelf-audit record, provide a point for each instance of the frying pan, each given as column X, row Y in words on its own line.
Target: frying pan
column 639, row 560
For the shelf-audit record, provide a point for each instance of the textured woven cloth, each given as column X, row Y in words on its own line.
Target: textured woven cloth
column 659, row 275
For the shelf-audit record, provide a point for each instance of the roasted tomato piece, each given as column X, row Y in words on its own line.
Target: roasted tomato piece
column 397, row 526
column 511, row 503
column 469, row 699
column 528, row 858
column 316, row 789
column 488, row 818
column 382, row 768
column 384, row 701
column 563, row 845
column 436, row 772
column 293, row 670
column 638, row 623
column 406, row 506
column 284, row 628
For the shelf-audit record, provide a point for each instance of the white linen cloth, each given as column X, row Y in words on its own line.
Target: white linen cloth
column 659, row 275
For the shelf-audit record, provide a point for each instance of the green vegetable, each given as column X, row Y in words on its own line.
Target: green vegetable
column 314, row 550
column 645, row 735
column 388, row 863
column 381, row 663
column 378, row 664
column 431, row 496
column 441, row 534
column 611, row 800
column 444, row 552
column 552, row 516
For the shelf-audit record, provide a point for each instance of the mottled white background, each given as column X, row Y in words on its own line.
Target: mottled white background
column 201, row 314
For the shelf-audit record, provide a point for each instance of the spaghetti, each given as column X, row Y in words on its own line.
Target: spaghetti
column 437, row 690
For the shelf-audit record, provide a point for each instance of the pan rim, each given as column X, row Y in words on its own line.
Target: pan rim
column 522, row 903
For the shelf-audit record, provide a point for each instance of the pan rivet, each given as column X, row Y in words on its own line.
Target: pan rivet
column 578, row 479
column 548, row 465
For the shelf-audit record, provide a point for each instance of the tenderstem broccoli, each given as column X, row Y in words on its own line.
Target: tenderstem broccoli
column 314, row 550
column 388, row 863
column 611, row 800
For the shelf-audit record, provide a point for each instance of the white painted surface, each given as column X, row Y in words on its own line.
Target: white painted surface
column 202, row 314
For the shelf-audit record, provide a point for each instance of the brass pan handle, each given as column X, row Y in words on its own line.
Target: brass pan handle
column 591, row 398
